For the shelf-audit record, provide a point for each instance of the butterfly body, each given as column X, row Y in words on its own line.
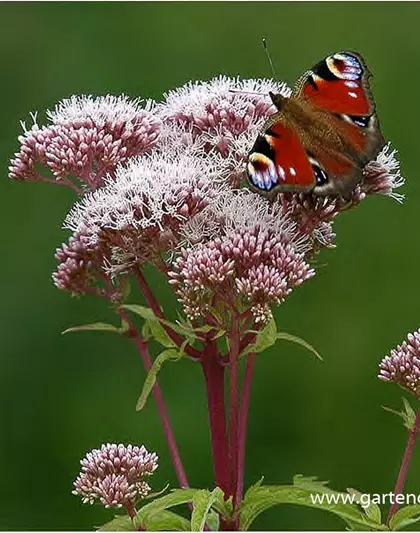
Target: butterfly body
column 322, row 136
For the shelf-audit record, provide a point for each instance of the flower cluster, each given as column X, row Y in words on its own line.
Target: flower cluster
column 402, row 365
column 222, row 115
column 115, row 474
column 137, row 216
column 166, row 189
column 253, row 259
column 86, row 138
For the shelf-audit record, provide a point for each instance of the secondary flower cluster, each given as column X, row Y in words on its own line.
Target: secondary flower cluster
column 114, row 475
column 165, row 183
column 87, row 138
column 402, row 365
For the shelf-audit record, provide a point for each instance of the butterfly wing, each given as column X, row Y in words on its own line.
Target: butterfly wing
column 278, row 160
column 339, row 85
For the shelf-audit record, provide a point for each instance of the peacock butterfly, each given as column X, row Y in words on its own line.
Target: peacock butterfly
column 322, row 136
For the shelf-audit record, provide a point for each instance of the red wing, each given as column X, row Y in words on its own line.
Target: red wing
column 339, row 84
column 279, row 161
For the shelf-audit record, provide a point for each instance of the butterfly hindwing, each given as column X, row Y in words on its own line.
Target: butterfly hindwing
column 278, row 160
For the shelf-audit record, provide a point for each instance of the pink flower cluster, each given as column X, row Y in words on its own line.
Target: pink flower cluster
column 114, row 475
column 87, row 138
column 250, row 269
column 160, row 176
column 402, row 365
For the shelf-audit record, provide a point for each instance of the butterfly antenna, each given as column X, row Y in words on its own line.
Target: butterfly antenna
column 267, row 53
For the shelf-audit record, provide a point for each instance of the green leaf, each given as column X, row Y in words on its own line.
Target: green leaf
column 265, row 338
column 119, row 523
column 372, row 510
column 159, row 334
column 260, row 498
column 213, row 521
column 144, row 312
column 297, row 340
column 404, row 517
column 176, row 497
column 222, row 506
column 148, row 314
column 311, row 483
column 407, row 414
column 97, row 326
column 202, row 503
column 164, row 521
column 410, row 414
column 167, row 521
column 166, row 355
column 269, row 335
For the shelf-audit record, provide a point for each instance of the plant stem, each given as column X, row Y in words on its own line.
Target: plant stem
column 243, row 418
column 131, row 511
column 405, row 464
column 157, row 393
column 234, row 405
column 214, row 375
column 155, row 307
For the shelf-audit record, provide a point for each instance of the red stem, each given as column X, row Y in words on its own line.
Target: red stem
column 155, row 307
column 157, row 393
column 214, row 375
column 405, row 464
column 234, row 405
column 243, row 418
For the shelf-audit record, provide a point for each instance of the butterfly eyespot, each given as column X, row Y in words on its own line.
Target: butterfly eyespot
column 345, row 66
column 261, row 171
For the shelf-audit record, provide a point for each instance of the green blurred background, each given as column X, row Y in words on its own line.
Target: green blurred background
column 61, row 396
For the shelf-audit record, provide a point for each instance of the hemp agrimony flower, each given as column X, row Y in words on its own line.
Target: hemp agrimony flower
column 86, row 138
column 402, row 365
column 114, row 475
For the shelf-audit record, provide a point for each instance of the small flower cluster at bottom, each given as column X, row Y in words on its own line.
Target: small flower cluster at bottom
column 115, row 474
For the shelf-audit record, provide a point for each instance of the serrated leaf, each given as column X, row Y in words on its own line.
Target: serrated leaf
column 404, row 517
column 148, row 314
column 222, row 506
column 213, row 521
column 260, row 498
column 159, row 334
column 202, row 503
column 264, row 339
column 407, row 414
column 410, row 414
column 119, row 523
column 372, row 510
column 176, row 497
column 167, row 521
column 144, row 312
column 166, row 355
column 297, row 340
column 311, row 483
column 97, row 326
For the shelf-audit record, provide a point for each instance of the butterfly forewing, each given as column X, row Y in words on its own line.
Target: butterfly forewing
column 323, row 135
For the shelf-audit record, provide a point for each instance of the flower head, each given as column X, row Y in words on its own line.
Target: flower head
column 138, row 215
column 114, row 475
column 222, row 115
column 402, row 365
column 253, row 260
column 87, row 137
